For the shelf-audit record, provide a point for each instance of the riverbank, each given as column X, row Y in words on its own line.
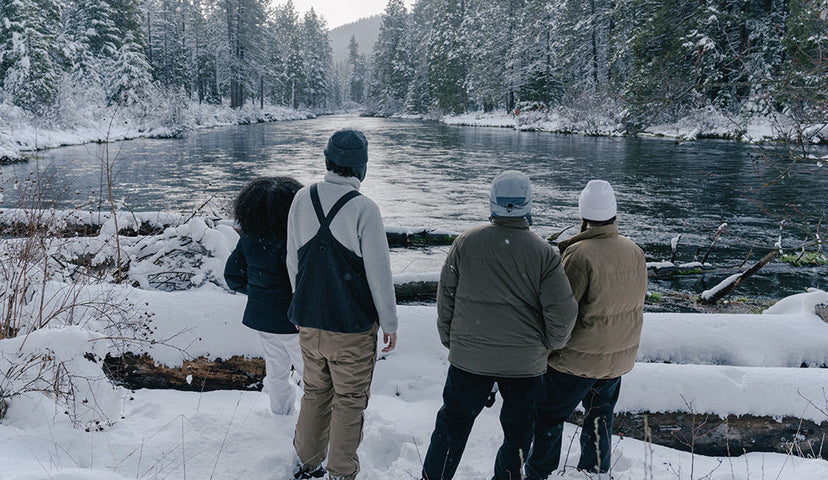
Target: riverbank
column 707, row 123
column 21, row 132
column 173, row 309
column 703, row 368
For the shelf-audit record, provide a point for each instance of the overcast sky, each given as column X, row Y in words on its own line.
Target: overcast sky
column 340, row 12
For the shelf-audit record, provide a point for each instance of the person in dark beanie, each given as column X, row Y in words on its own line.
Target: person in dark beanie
column 503, row 302
column 343, row 292
column 257, row 268
column 608, row 275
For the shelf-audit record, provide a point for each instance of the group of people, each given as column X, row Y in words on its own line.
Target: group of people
column 546, row 331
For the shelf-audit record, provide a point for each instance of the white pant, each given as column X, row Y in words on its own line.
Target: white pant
column 280, row 351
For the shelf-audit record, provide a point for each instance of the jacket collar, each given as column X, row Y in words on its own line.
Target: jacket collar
column 352, row 182
column 594, row 232
column 511, row 222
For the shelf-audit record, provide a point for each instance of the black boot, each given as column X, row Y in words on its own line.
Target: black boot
column 306, row 472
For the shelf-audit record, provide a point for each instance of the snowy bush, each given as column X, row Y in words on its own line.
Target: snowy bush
column 61, row 367
column 183, row 257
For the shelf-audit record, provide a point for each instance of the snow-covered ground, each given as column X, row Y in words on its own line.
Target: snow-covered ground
column 20, row 131
column 707, row 364
column 232, row 434
column 706, row 123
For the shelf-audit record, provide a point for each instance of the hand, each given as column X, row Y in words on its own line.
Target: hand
column 390, row 341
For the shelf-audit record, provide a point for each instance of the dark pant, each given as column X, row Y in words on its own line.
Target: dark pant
column 464, row 396
column 561, row 394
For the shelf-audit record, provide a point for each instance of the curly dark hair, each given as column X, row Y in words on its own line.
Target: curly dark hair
column 261, row 209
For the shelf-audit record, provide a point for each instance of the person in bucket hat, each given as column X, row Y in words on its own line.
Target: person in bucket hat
column 503, row 301
column 339, row 267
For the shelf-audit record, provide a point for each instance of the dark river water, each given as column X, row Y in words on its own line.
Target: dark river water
column 433, row 175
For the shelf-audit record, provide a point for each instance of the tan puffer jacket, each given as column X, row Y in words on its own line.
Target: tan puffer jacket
column 503, row 301
column 608, row 275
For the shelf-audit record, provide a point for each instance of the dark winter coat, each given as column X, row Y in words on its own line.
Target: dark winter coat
column 257, row 268
column 503, row 301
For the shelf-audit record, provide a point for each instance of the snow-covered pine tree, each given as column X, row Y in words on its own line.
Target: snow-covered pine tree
column 166, row 29
column 446, row 56
column 666, row 48
column 357, row 72
column 27, row 31
column 392, row 70
column 803, row 84
column 130, row 82
column 91, row 26
column 491, row 28
column 316, row 53
column 536, row 54
column 238, row 67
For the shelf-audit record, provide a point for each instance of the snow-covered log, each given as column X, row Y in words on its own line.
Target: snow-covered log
column 658, row 402
column 71, row 223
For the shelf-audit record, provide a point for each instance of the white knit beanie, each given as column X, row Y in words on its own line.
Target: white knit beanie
column 597, row 201
column 511, row 195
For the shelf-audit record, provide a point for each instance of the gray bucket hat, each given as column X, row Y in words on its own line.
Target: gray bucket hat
column 511, row 195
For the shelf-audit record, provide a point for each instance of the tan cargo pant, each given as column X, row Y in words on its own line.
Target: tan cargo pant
column 339, row 368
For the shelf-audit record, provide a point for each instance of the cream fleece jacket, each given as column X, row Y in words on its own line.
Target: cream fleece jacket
column 358, row 227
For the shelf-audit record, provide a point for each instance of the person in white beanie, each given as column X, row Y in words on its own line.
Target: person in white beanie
column 608, row 275
column 502, row 303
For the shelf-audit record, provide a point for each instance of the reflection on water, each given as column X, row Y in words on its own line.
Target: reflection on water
column 428, row 174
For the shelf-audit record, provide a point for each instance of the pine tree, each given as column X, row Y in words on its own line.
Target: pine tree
column 130, row 81
column 167, row 28
column 668, row 52
column 803, row 83
column 28, row 29
column 392, row 59
column 417, row 99
column 357, row 72
column 316, row 53
column 91, row 26
column 446, row 56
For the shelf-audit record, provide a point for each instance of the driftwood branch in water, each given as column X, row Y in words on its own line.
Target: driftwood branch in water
column 724, row 291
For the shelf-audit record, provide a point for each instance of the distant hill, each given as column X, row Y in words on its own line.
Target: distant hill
column 366, row 32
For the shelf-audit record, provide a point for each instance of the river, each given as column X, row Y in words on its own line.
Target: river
column 429, row 174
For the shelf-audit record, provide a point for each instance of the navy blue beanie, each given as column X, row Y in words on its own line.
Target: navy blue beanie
column 347, row 148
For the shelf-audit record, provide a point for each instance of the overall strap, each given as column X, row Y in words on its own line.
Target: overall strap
column 325, row 221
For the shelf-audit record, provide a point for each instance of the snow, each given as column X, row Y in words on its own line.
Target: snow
column 716, row 364
column 709, row 293
column 803, row 303
column 704, row 123
column 21, row 132
column 232, row 434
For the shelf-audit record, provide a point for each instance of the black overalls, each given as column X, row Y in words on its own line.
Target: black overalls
column 332, row 291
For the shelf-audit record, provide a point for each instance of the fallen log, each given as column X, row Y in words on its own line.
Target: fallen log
column 420, row 290
column 712, row 435
column 422, row 237
column 22, row 223
column 196, row 375
column 703, row 434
